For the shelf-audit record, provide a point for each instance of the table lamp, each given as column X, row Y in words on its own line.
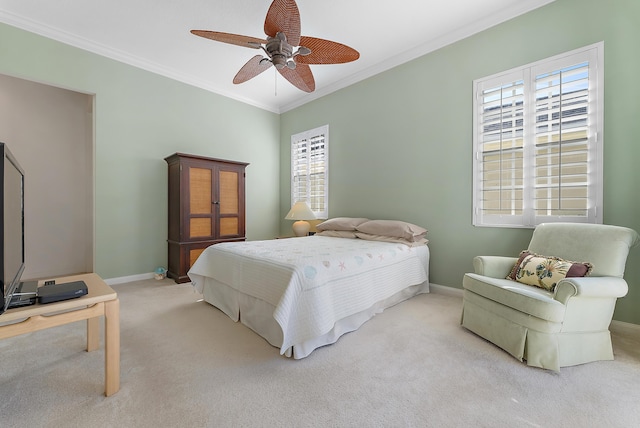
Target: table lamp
column 300, row 211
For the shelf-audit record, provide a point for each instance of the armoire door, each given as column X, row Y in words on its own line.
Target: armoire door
column 201, row 209
column 229, row 202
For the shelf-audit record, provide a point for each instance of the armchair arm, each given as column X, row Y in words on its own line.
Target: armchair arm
column 493, row 266
column 591, row 286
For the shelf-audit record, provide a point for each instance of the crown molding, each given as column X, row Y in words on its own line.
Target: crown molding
column 120, row 56
column 519, row 8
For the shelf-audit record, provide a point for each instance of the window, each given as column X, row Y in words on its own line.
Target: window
column 538, row 142
column 309, row 169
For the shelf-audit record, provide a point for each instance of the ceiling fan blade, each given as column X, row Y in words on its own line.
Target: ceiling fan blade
column 283, row 16
column 325, row 52
column 251, row 69
column 234, row 39
column 301, row 77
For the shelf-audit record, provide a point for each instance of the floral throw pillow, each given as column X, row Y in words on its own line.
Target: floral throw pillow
column 544, row 271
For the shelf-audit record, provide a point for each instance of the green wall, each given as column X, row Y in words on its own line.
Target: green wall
column 401, row 141
column 140, row 118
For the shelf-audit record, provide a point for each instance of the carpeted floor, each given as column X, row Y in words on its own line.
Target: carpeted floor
column 185, row 364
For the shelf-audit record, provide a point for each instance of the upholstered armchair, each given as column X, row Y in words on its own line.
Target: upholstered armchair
column 563, row 326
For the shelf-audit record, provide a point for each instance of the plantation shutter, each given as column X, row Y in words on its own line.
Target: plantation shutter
column 561, row 166
column 537, row 143
column 309, row 172
column 501, row 150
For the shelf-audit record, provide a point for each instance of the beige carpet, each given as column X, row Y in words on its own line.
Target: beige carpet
column 185, row 364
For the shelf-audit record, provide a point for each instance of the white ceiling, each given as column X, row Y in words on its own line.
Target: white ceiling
column 154, row 35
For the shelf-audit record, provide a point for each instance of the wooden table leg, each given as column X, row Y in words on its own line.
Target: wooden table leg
column 93, row 334
column 112, row 346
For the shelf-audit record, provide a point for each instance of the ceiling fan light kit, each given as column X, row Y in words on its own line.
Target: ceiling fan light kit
column 288, row 51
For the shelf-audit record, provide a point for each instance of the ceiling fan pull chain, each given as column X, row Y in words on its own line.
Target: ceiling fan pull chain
column 275, row 82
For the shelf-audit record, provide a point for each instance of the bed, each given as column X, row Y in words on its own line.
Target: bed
column 303, row 293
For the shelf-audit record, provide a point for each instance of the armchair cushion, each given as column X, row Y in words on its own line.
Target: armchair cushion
column 546, row 271
column 521, row 297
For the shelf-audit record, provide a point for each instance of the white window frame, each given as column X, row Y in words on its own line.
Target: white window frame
column 302, row 166
column 526, row 75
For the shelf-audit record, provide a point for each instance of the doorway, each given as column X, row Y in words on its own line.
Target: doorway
column 50, row 132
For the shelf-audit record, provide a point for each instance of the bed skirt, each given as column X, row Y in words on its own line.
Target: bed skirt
column 258, row 315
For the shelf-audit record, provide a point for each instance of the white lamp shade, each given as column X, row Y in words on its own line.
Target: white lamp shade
column 300, row 211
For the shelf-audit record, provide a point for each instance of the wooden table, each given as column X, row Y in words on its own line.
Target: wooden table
column 101, row 300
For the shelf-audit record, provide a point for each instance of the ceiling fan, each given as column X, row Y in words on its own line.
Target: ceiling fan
column 285, row 48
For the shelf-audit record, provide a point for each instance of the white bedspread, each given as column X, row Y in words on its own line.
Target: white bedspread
column 314, row 281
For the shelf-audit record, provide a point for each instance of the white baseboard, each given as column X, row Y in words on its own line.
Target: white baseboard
column 131, row 278
column 446, row 290
column 621, row 325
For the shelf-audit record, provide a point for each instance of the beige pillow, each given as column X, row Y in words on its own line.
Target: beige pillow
column 341, row 223
column 337, row 233
column 393, row 228
column 383, row 238
column 546, row 271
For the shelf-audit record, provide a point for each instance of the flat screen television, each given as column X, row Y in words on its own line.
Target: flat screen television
column 12, row 261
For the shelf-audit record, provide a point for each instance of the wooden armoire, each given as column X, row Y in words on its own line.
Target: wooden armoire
column 206, row 207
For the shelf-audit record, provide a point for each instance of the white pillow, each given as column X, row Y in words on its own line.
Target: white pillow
column 341, row 223
column 337, row 233
column 382, row 238
column 393, row 228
